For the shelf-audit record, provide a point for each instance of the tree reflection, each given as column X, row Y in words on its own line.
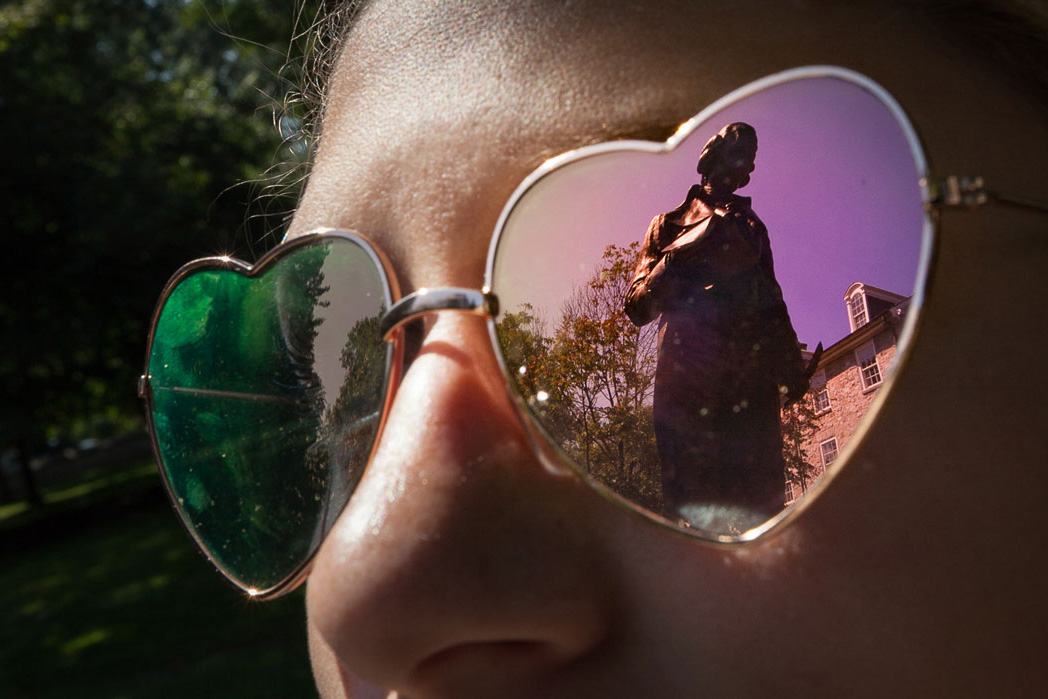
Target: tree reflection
column 592, row 381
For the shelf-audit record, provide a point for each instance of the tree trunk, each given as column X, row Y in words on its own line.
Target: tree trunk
column 6, row 494
column 32, row 492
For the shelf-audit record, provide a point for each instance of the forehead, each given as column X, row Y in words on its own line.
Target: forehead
column 438, row 110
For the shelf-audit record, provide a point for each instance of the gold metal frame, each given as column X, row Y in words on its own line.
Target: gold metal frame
column 546, row 446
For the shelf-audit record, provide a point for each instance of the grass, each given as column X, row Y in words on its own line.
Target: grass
column 92, row 483
column 122, row 605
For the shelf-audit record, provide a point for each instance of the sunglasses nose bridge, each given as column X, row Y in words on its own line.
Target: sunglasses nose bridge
column 426, row 301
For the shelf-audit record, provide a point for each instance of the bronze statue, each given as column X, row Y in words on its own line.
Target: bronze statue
column 727, row 352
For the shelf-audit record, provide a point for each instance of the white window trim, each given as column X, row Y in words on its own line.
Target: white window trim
column 865, row 310
column 815, row 400
column 858, row 363
column 822, row 452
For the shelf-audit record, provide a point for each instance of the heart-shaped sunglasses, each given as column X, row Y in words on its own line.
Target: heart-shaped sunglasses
column 649, row 341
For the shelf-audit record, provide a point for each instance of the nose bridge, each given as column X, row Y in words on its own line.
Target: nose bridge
column 425, row 301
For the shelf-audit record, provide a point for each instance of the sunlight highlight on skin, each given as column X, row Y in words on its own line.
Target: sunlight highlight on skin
column 765, row 561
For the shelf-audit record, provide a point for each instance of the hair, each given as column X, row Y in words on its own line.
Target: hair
column 1011, row 35
column 320, row 34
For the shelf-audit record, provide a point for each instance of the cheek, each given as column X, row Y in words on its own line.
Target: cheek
column 735, row 621
column 724, row 586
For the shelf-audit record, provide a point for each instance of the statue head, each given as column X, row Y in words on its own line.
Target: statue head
column 727, row 159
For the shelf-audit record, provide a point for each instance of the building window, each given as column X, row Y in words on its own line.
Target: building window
column 828, row 450
column 871, row 373
column 822, row 400
column 857, row 309
column 866, row 356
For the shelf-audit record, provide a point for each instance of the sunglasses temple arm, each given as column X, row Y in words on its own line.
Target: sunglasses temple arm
column 1021, row 202
column 426, row 301
column 951, row 191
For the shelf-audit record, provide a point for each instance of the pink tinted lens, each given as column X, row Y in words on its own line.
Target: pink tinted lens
column 661, row 326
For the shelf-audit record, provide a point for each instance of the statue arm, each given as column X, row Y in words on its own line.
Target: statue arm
column 643, row 299
column 792, row 377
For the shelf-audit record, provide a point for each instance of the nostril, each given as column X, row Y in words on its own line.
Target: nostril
column 467, row 668
column 504, row 650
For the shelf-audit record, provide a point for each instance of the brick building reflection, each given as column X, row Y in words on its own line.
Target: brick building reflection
column 850, row 373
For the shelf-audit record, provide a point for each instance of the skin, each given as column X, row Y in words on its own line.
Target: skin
column 463, row 568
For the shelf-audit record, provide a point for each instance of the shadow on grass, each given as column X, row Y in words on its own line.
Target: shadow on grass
column 111, row 599
column 91, row 486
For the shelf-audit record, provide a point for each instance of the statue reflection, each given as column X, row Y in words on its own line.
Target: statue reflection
column 727, row 353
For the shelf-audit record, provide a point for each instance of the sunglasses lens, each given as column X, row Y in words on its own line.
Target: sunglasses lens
column 658, row 347
column 267, row 390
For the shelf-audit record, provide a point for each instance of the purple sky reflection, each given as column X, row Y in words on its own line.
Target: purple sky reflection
column 835, row 183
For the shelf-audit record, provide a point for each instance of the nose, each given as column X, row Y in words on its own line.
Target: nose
column 460, row 563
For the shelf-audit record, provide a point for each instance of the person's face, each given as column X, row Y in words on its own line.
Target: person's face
column 461, row 567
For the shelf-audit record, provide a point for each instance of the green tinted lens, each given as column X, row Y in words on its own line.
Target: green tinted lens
column 267, row 391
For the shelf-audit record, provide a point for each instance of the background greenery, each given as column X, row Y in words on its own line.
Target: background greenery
column 138, row 134
column 107, row 597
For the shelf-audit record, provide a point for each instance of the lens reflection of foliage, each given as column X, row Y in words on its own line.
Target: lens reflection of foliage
column 591, row 382
column 596, row 377
column 350, row 424
column 798, row 428
column 248, row 343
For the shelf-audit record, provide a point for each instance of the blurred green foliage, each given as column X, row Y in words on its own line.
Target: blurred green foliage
column 125, row 607
column 138, row 134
